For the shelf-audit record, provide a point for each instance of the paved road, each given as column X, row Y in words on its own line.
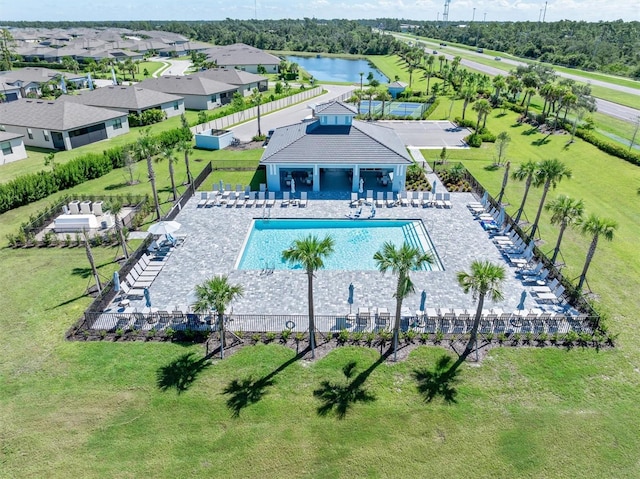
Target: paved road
column 178, row 67
column 615, row 110
column 288, row 116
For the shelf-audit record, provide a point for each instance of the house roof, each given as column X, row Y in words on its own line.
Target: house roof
column 53, row 115
column 8, row 135
column 231, row 76
column 30, row 75
column 186, row 85
column 335, row 108
column 240, row 54
column 129, row 97
column 360, row 142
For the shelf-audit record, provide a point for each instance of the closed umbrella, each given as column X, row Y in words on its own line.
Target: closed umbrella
column 147, row 297
column 116, row 282
column 221, row 185
column 433, row 188
column 485, row 198
column 350, row 299
column 523, row 296
column 361, row 190
column 423, row 299
column 164, row 227
column 293, row 186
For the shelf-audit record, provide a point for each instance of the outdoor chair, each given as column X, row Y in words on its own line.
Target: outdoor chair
column 446, row 200
column 249, row 202
column 363, row 319
column 303, row 199
column 417, row 199
column 404, row 201
column 383, row 318
column 439, row 202
column 390, row 201
column 260, row 201
column 369, row 199
column 285, row 199
column 239, row 199
column 204, row 196
column 145, row 260
column 426, row 199
column 216, row 189
column 139, row 269
column 354, row 200
column 380, row 199
column 231, row 200
column 272, row 199
column 130, row 292
column 212, row 200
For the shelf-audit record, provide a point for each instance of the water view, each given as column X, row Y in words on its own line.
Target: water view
column 338, row 69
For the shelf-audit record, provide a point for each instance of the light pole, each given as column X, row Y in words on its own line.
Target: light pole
column 485, row 16
column 474, row 14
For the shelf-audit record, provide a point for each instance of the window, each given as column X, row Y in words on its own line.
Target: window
column 117, row 123
column 176, row 105
column 30, row 133
column 213, row 98
column 46, row 135
column 6, row 148
column 2, row 128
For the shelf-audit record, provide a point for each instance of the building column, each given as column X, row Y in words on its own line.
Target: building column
column 316, row 178
column 355, row 180
column 399, row 176
column 273, row 178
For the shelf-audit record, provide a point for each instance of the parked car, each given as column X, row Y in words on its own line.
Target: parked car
column 497, row 58
column 435, row 52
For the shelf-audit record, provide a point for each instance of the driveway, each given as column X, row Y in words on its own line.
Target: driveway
column 429, row 134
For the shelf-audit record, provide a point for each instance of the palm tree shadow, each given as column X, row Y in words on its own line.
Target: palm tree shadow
column 244, row 392
column 342, row 397
column 180, row 373
column 439, row 382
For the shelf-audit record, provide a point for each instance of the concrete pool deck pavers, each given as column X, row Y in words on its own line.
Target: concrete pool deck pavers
column 214, row 239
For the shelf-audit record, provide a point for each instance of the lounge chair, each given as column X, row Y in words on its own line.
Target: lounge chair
column 426, row 199
column 130, row 292
column 240, row 199
column 204, row 196
column 354, row 200
column 249, row 202
column 216, row 189
column 390, row 200
column 446, row 198
column 439, row 200
column 135, row 282
column 239, row 189
column 303, row 199
column 139, row 269
column 417, row 198
column 212, row 200
column 147, row 264
column 363, row 319
column 380, row 199
column 285, row 198
column 272, row 199
column 554, row 297
column 369, row 198
column 402, row 196
column 231, row 201
column 263, row 187
column 547, row 288
column 383, row 318
column 261, row 200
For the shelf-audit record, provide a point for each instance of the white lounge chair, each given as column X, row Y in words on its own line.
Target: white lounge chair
column 271, row 201
column 354, row 200
column 390, row 200
column 251, row 200
column 403, row 198
column 204, row 196
column 303, row 199
column 212, row 200
column 285, row 198
column 261, row 200
column 231, row 200
column 369, row 198
column 426, row 199
column 240, row 199
column 446, row 198
column 133, row 292
column 380, row 199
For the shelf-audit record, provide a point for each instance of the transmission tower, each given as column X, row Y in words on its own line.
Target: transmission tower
column 445, row 14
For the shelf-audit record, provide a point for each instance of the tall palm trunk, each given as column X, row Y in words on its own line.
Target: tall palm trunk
column 396, row 325
column 592, row 251
column 312, row 322
column 173, row 181
column 428, row 81
column 527, row 185
column 484, row 123
column 221, row 327
column 259, row 129
column 473, row 335
column 94, row 270
column 123, row 242
column 563, row 226
column 186, row 163
column 152, row 179
column 535, row 223
column 464, row 108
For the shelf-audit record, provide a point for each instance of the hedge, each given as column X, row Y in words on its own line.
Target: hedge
column 32, row 187
column 622, row 152
column 427, row 113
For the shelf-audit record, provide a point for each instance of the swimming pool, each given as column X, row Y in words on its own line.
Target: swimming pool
column 356, row 241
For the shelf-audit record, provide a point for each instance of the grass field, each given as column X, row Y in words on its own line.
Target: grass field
column 125, row 410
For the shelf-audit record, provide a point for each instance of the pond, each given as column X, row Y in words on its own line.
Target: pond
column 338, row 69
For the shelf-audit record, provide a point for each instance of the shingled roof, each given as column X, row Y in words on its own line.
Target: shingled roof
column 240, row 54
column 360, row 142
column 53, row 115
column 129, row 97
column 230, row 75
column 186, row 85
column 335, row 108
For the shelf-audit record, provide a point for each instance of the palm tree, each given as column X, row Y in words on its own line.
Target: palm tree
column 564, row 212
column 400, row 261
column 116, row 209
column 370, row 93
column 484, row 280
column 383, row 96
column 483, row 108
column 430, row 60
column 168, row 154
column 147, row 147
column 498, row 83
column 187, row 148
column 441, row 58
column 217, row 293
column 595, row 226
column 309, row 252
column 469, row 93
column 525, row 171
column 550, row 173
column 528, row 95
column 256, row 99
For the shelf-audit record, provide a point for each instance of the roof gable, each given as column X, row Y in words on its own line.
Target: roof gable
column 186, row 85
column 335, row 108
column 129, row 97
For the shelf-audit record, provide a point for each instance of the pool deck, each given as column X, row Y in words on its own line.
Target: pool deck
column 215, row 236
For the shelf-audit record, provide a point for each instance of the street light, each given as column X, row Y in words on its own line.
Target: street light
column 474, row 14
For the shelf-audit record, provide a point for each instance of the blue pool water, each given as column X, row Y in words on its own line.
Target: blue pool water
column 355, row 242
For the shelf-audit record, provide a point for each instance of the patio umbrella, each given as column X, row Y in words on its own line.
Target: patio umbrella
column 221, row 185
column 485, row 198
column 423, row 299
column 361, row 190
column 293, row 186
column 523, row 296
column 116, row 282
column 147, row 297
column 350, row 299
column 433, row 188
column 164, row 227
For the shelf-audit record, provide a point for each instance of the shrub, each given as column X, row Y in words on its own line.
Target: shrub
column 370, row 338
column 410, row 335
column 256, row 337
column 148, row 117
column 474, row 140
column 270, row 336
column 285, row 335
column 434, row 104
column 502, row 337
column 439, row 337
column 169, row 332
column 343, row 336
column 299, row 337
column 466, row 123
column 424, row 337
column 610, row 148
column 357, row 336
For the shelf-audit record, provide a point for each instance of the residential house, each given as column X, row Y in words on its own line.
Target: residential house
column 245, row 81
column 199, row 93
column 129, row 99
column 60, row 125
column 334, row 151
column 11, row 147
column 243, row 57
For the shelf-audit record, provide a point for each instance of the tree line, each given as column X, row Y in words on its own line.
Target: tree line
column 610, row 47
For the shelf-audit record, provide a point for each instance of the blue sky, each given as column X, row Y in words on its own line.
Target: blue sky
column 496, row 10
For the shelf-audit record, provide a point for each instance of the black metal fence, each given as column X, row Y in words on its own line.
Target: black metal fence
column 190, row 191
